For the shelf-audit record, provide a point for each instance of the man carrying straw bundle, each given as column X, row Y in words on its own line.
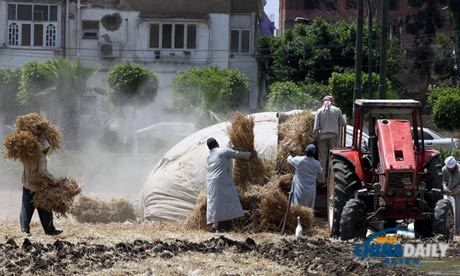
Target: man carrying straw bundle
column 32, row 168
column 307, row 170
column 328, row 121
column 223, row 202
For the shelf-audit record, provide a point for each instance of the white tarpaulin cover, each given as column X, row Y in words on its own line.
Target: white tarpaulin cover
column 172, row 188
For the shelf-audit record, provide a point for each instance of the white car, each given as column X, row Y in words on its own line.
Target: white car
column 437, row 141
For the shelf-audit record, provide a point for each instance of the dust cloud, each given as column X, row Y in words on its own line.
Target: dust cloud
column 117, row 148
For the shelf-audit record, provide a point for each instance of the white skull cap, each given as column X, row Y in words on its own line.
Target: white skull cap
column 450, row 162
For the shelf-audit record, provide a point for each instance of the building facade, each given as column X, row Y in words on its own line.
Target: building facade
column 168, row 36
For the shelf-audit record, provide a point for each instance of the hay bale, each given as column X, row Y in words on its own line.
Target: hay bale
column 294, row 135
column 23, row 146
column 40, row 127
column 92, row 210
column 241, row 135
column 58, row 198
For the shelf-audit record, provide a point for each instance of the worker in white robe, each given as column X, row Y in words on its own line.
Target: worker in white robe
column 307, row 170
column 223, row 202
column 451, row 181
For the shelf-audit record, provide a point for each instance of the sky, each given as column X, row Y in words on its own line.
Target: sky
column 272, row 10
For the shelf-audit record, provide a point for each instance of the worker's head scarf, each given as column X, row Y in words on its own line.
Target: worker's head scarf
column 311, row 150
column 450, row 162
column 327, row 102
column 212, row 143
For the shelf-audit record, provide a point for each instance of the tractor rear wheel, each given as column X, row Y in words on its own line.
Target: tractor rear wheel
column 342, row 184
column 443, row 220
column 433, row 180
column 353, row 222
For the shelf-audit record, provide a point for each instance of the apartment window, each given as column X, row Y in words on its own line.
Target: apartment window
column 90, row 29
column 414, row 3
column 351, row 4
column 33, row 25
column 240, row 41
column 173, row 36
column 394, row 5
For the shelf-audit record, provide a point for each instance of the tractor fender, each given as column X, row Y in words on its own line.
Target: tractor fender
column 425, row 157
column 353, row 157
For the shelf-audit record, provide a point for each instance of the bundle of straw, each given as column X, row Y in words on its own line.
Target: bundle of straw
column 241, row 135
column 23, row 146
column 40, row 182
column 197, row 219
column 295, row 135
column 40, row 127
column 57, row 197
column 91, row 210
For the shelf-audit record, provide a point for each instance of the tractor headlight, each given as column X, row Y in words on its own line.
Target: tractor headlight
column 377, row 187
column 408, row 193
column 390, row 193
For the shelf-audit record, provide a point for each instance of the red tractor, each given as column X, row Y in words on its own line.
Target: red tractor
column 391, row 180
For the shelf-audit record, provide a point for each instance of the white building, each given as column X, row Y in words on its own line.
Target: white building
column 168, row 36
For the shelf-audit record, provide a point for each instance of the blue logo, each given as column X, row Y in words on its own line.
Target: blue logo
column 386, row 244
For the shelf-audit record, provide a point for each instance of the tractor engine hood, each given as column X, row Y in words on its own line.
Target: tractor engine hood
column 396, row 152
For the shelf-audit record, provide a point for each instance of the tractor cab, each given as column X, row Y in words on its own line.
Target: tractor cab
column 393, row 179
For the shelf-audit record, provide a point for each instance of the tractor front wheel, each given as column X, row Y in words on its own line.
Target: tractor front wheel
column 443, row 220
column 353, row 222
column 342, row 184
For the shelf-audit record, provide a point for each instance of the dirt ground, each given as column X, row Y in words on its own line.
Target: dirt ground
column 168, row 249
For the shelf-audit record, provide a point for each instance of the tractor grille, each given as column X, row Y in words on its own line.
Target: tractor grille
column 401, row 180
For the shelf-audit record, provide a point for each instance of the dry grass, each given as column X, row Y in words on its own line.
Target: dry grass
column 40, row 127
column 245, row 172
column 58, row 197
column 22, row 145
column 294, row 135
column 92, row 210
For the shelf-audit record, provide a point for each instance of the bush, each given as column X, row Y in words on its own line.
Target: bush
column 35, row 77
column 439, row 92
column 446, row 111
column 132, row 84
column 342, row 86
column 210, row 89
column 284, row 96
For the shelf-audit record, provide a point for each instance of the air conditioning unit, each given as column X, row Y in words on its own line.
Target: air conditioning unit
column 109, row 50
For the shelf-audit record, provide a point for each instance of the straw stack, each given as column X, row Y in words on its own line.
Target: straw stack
column 245, row 172
column 40, row 127
column 22, row 146
column 92, row 210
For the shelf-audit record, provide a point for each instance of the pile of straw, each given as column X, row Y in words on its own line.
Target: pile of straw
column 241, row 135
column 294, row 135
column 40, row 127
column 264, row 208
column 21, row 145
column 57, row 197
column 91, row 210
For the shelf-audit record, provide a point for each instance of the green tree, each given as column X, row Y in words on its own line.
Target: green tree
column 35, row 78
column 70, row 79
column 132, row 84
column 439, row 92
column 341, row 86
column 285, row 96
column 210, row 89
